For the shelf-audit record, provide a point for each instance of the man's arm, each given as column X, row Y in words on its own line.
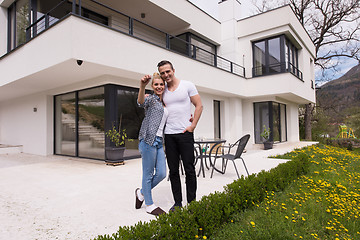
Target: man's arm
column 196, row 101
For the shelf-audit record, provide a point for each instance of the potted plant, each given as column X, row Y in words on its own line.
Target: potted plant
column 115, row 155
column 266, row 135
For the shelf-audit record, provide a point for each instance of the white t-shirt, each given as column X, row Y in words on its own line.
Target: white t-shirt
column 162, row 123
column 178, row 104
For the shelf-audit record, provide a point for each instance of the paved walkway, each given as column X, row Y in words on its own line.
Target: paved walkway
column 58, row 197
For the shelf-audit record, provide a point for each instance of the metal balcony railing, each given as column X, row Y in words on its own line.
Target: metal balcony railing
column 277, row 68
column 109, row 17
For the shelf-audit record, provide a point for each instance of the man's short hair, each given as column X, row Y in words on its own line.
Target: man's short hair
column 164, row 62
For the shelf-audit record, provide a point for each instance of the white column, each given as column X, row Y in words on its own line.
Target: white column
column 292, row 113
column 229, row 13
column 233, row 113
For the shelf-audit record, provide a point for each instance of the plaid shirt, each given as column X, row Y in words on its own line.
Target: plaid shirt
column 154, row 111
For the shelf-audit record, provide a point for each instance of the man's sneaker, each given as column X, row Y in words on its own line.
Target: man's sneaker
column 174, row 207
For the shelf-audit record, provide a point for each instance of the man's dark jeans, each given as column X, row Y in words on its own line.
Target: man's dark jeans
column 181, row 146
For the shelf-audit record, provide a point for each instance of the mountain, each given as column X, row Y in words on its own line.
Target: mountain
column 339, row 95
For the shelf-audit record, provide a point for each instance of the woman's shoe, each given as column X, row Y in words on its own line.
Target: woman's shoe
column 157, row 211
column 138, row 202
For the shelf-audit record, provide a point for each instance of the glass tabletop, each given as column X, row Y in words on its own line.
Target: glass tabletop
column 209, row 140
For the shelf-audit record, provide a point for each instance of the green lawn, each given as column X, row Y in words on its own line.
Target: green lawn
column 324, row 204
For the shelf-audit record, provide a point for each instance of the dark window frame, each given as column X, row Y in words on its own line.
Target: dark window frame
column 270, row 107
column 286, row 65
column 111, row 114
column 218, row 118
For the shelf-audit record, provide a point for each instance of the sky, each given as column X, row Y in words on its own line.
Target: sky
column 211, row 7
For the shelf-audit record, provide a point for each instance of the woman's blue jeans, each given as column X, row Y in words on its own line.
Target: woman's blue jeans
column 153, row 166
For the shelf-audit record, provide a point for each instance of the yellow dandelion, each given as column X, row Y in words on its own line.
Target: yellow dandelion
column 196, row 236
column 252, row 223
column 204, row 237
column 286, row 217
column 200, row 229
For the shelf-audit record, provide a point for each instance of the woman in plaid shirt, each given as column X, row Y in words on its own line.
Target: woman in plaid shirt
column 151, row 142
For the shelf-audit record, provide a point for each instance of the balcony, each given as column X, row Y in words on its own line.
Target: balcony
column 278, row 68
column 108, row 17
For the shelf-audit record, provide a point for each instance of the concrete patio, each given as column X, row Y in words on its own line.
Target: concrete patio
column 57, row 197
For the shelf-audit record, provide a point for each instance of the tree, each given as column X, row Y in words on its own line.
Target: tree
column 334, row 28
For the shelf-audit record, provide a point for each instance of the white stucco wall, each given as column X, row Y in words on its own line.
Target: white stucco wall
column 198, row 20
column 292, row 111
column 248, row 124
column 231, row 117
column 20, row 125
column 3, row 30
column 205, row 127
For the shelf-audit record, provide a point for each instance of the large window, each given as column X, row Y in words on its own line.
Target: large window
column 82, row 117
column 129, row 117
column 65, row 124
column 275, row 55
column 23, row 13
column 270, row 115
column 40, row 14
column 18, row 21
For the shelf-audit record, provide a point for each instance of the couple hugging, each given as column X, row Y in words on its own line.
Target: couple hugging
column 167, row 113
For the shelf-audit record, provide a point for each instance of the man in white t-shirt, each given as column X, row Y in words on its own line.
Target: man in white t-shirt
column 179, row 138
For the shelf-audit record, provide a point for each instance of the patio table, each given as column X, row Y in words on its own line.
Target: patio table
column 204, row 147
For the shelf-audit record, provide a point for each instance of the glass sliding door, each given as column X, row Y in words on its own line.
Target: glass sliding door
column 261, row 117
column 217, row 126
column 65, row 124
column 271, row 115
column 283, row 122
column 91, row 108
column 276, row 122
column 82, row 117
column 129, row 117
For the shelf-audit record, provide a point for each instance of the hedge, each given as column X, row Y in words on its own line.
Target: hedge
column 212, row 211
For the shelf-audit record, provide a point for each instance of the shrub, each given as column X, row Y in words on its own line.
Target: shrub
column 205, row 216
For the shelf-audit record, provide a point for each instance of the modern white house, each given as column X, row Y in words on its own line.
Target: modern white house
column 70, row 70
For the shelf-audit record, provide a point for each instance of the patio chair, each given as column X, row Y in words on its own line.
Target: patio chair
column 241, row 143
